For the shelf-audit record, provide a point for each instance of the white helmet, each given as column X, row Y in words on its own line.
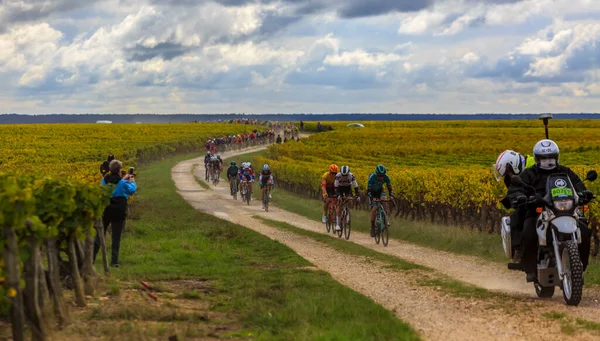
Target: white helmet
column 345, row 170
column 249, row 164
column 244, row 164
column 545, row 154
column 508, row 158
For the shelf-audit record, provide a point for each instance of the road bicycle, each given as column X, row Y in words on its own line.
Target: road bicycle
column 345, row 217
column 233, row 187
column 330, row 216
column 382, row 222
column 245, row 192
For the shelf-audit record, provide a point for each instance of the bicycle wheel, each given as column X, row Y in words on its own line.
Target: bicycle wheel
column 384, row 228
column 346, row 221
column 266, row 200
column 332, row 218
column 340, row 232
column 328, row 219
column 377, row 230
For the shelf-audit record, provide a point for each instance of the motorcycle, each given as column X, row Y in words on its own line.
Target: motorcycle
column 558, row 262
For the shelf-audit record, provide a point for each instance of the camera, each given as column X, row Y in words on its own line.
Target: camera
column 132, row 170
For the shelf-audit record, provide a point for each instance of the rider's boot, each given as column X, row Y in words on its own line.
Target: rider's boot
column 337, row 223
column 372, row 229
column 324, row 219
column 518, row 256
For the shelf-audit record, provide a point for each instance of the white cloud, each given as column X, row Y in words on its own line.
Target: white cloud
column 361, row 58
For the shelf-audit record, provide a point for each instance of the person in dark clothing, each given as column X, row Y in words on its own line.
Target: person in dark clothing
column 116, row 212
column 509, row 164
column 104, row 167
column 546, row 155
column 278, row 139
column 232, row 175
column 301, row 126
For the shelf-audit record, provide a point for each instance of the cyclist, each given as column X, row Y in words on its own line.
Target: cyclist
column 220, row 164
column 265, row 180
column 509, row 164
column 247, row 175
column 232, row 173
column 207, row 164
column 344, row 182
column 328, row 188
column 376, row 192
column 214, row 166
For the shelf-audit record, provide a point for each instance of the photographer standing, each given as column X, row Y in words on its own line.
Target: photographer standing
column 116, row 212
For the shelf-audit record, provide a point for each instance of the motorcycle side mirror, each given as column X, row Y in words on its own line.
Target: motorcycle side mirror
column 515, row 180
column 591, row 175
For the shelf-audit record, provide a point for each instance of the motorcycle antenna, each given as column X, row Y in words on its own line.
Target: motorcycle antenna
column 545, row 118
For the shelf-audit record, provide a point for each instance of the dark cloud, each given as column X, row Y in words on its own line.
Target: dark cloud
column 166, row 51
column 361, row 8
column 15, row 12
column 344, row 8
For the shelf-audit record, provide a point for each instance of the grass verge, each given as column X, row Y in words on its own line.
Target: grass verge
column 218, row 279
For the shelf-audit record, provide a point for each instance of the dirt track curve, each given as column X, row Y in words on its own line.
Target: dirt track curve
column 433, row 313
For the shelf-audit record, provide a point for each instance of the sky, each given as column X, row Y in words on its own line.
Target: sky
column 299, row 56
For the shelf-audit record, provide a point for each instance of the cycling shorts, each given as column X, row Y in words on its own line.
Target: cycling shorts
column 344, row 190
column 330, row 192
column 247, row 177
column 377, row 196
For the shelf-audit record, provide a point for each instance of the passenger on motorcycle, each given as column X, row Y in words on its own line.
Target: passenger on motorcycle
column 265, row 180
column 509, row 164
column 376, row 192
column 546, row 155
column 344, row 182
column 328, row 188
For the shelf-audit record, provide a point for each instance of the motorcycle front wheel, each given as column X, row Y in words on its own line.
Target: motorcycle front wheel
column 572, row 283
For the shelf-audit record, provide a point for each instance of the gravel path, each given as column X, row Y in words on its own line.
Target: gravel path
column 434, row 313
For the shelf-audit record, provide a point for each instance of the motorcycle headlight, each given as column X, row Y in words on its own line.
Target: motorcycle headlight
column 563, row 204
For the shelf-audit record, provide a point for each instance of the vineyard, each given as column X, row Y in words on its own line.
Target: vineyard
column 50, row 201
column 440, row 171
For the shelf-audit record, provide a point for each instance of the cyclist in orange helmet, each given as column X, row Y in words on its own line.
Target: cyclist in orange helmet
column 328, row 188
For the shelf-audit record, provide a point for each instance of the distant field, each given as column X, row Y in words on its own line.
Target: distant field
column 440, row 170
column 76, row 150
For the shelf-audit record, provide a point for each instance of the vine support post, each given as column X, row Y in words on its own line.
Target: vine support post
column 79, row 295
column 34, row 314
column 89, row 274
column 101, row 237
column 11, row 261
column 55, row 286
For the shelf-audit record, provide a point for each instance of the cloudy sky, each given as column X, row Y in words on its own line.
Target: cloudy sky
column 267, row 56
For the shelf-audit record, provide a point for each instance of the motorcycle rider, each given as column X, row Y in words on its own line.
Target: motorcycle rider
column 508, row 164
column 546, row 156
